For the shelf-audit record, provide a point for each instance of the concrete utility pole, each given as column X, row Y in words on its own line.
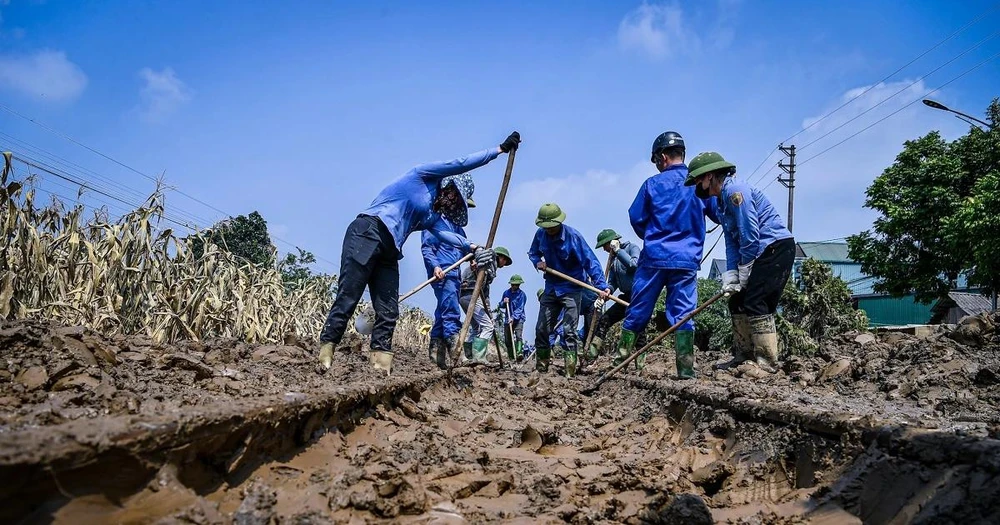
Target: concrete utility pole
column 790, row 181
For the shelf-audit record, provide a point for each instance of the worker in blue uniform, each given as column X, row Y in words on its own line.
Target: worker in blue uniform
column 759, row 255
column 563, row 249
column 670, row 220
column 374, row 241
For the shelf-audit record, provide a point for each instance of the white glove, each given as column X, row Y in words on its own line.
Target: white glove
column 599, row 303
column 615, row 245
column 731, row 281
column 744, row 270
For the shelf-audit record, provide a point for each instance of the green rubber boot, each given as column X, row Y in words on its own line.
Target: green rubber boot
column 570, row 361
column 594, row 351
column 467, row 348
column 684, row 354
column 542, row 356
column 479, row 348
column 519, row 351
column 625, row 346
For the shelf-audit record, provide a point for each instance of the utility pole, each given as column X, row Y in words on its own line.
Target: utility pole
column 789, row 182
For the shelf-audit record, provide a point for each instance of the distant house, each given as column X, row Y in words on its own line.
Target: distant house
column 959, row 305
column 882, row 310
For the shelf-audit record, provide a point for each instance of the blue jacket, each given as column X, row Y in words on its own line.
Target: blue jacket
column 623, row 267
column 670, row 220
column 404, row 206
column 438, row 253
column 570, row 254
column 517, row 302
column 749, row 222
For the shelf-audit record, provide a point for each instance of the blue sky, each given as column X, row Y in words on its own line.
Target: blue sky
column 303, row 111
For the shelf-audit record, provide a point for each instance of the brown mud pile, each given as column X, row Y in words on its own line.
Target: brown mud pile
column 124, row 430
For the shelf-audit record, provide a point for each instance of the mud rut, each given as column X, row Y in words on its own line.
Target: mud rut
column 116, row 430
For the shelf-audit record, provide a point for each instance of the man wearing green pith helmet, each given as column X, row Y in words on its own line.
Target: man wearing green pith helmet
column 512, row 306
column 562, row 248
column 625, row 259
column 481, row 327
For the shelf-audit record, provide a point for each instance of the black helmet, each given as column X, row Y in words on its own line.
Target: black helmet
column 667, row 139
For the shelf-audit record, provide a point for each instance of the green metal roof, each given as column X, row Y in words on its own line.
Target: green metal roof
column 828, row 252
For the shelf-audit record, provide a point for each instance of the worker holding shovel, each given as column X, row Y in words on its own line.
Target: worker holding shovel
column 625, row 260
column 564, row 249
column 448, row 312
column 482, row 327
column 759, row 255
column 512, row 305
column 670, row 220
column 374, row 242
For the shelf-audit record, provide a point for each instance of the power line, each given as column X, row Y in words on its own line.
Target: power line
column 914, row 101
column 904, row 66
column 762, row 162
column 963, row 53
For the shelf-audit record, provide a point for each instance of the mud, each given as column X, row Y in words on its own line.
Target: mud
column 879, row 429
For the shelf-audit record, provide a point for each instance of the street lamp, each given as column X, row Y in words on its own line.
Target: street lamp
column 937, row 105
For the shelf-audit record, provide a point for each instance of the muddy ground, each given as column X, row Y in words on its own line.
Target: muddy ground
column 500, row 444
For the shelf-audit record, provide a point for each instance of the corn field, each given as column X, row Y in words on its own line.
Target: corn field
column 130, row 276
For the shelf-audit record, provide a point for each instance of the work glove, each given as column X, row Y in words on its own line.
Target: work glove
column 731, row 282
column 744, row 270
column 511, row 143
column 599, row 303
column 486, row 259
column 615, row 244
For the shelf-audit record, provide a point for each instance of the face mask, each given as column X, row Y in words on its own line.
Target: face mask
column 701, row 193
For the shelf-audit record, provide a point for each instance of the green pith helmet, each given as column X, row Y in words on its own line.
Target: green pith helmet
column 540, row 292
column 516, row 279
column 706, row 162
column 550, row 215
column 500, row 250
column 606, row 236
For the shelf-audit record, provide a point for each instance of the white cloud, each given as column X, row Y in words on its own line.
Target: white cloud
column 656, row 30
column 162, row 94
column 45, row 75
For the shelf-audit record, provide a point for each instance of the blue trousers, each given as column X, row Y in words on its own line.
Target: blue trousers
column 682, row 297
column 448, row 314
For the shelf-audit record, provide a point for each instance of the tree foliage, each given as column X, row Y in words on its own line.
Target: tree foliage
column 938, row 205
column 244, row 236
column 820, row 303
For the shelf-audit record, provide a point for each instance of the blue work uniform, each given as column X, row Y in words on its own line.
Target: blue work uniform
column 405, row 205
column 623, row 267
column 517, row 301
column 670, row 220
column 749, row 222
column 439, row 254
column 568, row 253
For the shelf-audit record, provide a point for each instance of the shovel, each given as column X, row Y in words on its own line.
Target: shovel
column 578, row 282
column 597, row 384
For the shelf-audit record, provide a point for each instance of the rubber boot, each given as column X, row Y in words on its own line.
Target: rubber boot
column 510, row 349
column 570, row 362
column 542, row 356
column 765, row 342
column 594, row 351
column 742, row 348
column 444, row 351
column 684, row 354
column 519, row 351
column 326, row 355
column 467, row 349
column 381, row 361
column 432, row 349
column 479, row 349
column 625, row 346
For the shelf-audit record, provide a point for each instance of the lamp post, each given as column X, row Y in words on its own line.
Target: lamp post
column 937, row 105
column 968, row 118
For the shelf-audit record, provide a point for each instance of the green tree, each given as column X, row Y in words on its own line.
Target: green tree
column 820, row 304
column 938, row 204
column 713, row 329
column 244, row 236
